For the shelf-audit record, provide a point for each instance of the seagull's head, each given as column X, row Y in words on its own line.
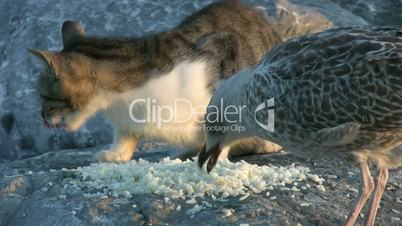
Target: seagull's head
column 215, row 140
column 224, row 118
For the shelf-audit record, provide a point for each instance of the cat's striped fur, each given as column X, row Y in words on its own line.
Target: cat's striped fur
column 94, row 74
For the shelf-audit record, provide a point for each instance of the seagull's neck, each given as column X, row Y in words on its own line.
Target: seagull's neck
column 235, row 91
column 232, row 98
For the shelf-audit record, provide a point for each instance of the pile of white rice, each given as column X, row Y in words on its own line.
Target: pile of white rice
column 183, row 179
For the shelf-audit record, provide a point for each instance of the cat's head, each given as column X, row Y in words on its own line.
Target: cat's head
column 66, row 84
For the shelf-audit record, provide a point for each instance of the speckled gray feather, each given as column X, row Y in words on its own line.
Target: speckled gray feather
column 346, row 75
column 336, row 94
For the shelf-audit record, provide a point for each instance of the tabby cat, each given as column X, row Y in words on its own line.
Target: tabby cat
column 126, row 77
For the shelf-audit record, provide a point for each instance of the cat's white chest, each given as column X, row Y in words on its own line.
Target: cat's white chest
column 169, row 107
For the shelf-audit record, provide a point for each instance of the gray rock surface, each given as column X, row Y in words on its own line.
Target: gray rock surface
column 36, row 24
column 37, row 191
column 378, row 12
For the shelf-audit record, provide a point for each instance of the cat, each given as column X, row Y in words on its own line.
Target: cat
column 93, row 74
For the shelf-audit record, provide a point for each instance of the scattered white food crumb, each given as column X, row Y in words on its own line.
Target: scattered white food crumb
column 29, row 172
column 225, row 194
column 227, row 212
column 361, row 215
column 354, row 190
column 273, row 198
column 191, row 201
column 295, row 189
column 183, row 180
column 73, row 212
column 134, row 206
column 62, row 196
column 50, row 183
column 315, row 178
column 127, row 194
column 197, row 208
column 267, row 194
column 178, row 208
column 270, row 188
column 244, row 225
column 244, row 197
column 321, row 188
column 213, row 197
column 304, row 204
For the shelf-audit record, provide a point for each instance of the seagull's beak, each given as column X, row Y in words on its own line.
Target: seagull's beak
column 212, row 154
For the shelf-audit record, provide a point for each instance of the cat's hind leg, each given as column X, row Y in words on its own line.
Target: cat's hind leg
column 122, row 150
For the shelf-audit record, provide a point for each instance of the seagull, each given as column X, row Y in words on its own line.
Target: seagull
column 334, row 94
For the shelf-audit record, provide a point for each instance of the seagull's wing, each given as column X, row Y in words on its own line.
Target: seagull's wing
column 335, row 77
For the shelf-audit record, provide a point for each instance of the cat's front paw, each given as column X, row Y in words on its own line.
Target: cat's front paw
column 111, row 156
column 73, row 122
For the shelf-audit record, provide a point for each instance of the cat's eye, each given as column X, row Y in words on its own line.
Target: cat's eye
column 57, row 91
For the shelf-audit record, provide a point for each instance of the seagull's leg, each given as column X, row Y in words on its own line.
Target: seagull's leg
column 380, row 184
column 366, row 187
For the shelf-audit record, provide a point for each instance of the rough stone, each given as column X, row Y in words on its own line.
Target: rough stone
column 37, row 191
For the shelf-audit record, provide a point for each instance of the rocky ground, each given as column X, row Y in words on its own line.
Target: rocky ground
column 34, row 162
column 35, row 191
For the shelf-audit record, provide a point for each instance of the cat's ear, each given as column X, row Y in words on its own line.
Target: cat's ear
column 71, row 31
column 47, row 58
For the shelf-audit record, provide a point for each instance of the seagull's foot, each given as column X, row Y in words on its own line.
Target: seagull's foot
column 366, row 188
column 380, row 184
